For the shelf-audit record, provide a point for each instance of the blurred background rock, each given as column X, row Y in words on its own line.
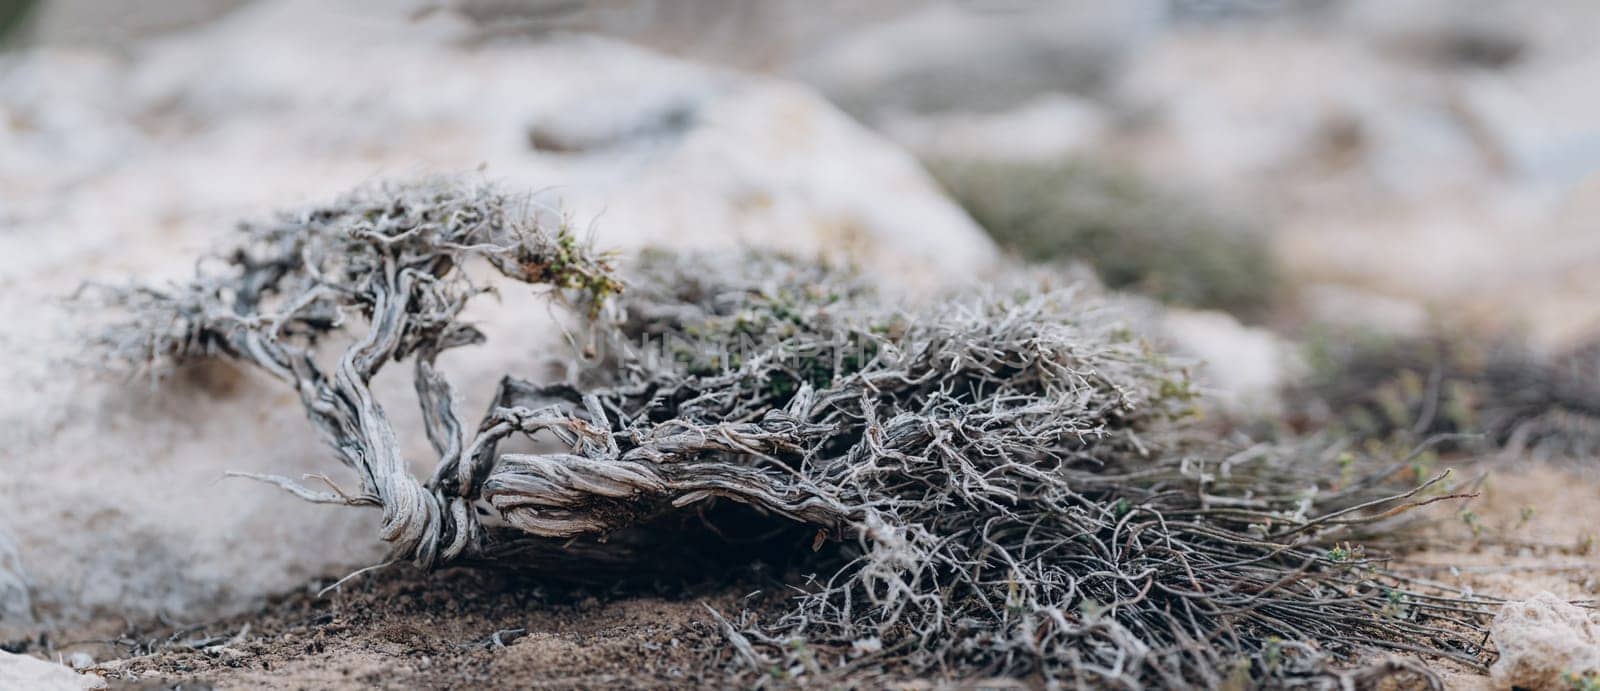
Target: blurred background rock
column 1409, row 156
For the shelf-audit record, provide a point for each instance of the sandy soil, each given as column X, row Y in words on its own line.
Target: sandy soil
column 1536, row 530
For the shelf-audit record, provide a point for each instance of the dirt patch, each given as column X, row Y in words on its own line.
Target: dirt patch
column 457, row 628
column 1533, row 528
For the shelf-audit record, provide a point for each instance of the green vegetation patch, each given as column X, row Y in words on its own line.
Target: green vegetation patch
column 1135, row 234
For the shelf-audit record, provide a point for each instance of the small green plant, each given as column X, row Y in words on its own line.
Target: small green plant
column 1582, row 681
column 1345, row 552
column 1473, row 523
column 1347, row 468
column 1394, row 605
column 1121, row 508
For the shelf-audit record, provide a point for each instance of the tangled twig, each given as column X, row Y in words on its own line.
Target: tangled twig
column 391, row 256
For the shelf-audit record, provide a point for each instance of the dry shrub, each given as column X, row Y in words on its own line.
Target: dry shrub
column 1000, row 483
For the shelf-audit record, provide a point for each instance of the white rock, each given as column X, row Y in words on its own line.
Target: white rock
column 1538, row 122
column 1285, row 105
column 1243, row 368
column 31, row 673
column 1542, row 638
column 987, row 56
column 1047, row 128
column 1344, row 306
column 15, row 603
column 117, row 167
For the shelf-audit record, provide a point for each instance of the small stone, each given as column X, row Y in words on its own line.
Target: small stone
column 866, row 646
column 26, row 672
column 1541, row 639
